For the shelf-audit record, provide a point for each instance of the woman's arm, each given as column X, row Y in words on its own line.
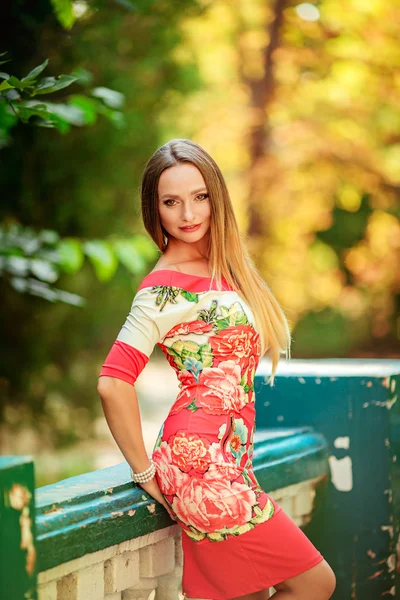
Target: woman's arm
column 121, row 410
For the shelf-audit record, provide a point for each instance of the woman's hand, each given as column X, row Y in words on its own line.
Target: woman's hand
column 152, row 488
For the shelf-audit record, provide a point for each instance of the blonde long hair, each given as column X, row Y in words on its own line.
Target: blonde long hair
column 227, row 253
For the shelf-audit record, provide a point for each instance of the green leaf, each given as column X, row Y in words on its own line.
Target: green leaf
column 53, row 114
column 48, row 236
column 111, row 98
column 116, row 117
column 17, row 265
column 36, row 71
column 71, row 255
column 27, row 109
column 5, row 86
column 129, row 255
column 66, row 112
column 7, row 117
column 84, row 76
column 44, row 270
column 87, row 105
column 102, row 257
column 47, row 85
column 15, row 82
column 64, row 12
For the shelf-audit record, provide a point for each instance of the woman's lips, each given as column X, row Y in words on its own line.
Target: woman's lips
column 188, row 229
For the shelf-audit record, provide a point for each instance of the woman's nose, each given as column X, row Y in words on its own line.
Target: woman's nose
column 188, row 213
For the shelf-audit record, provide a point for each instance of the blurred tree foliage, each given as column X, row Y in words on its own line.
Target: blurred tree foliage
column 33, row 260
column 297, row 102
column 312, row 123
column 83, row 189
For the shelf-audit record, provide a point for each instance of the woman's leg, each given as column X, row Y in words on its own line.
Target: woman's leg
column 317, row 583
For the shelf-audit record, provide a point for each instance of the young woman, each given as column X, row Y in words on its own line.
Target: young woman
column 205, row 305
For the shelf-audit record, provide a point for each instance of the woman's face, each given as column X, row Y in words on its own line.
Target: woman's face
column 183, row 201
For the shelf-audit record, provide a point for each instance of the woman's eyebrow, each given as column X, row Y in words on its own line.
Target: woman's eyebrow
column 177, row 195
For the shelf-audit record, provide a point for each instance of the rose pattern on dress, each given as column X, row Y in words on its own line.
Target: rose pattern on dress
column 208, row 480
column 190, row 451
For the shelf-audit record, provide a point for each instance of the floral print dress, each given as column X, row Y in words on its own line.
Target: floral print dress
column 204, row 449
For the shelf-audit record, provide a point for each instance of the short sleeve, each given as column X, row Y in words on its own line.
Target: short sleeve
column 147, row 322
column 141, row 327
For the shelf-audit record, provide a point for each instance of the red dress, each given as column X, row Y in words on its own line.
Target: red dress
column 235, row 538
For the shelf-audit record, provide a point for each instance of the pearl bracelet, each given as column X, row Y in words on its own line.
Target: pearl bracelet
column 144, row 476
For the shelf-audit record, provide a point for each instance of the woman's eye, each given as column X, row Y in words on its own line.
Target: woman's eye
column 201, row 196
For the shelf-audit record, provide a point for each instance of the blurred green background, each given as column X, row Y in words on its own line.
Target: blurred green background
column 299, row 103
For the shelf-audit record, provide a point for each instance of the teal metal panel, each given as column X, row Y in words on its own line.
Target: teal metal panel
column 354, row 405
column 285, row 456
column 18, row 565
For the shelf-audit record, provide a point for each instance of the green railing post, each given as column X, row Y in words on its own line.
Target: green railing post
column 18, row 565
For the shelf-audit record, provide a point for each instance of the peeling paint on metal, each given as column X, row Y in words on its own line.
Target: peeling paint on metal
column 20, row 497
column 376, row 574
column 388, row 528
column 392, row 591
column 342, row 442
column 118, row 513
column 54, row 508
column 391, row 562
column 131, row 512
column 390, row 495
column 342, row 473
column 389, row 403
column 301, row 379
column 27, row 540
